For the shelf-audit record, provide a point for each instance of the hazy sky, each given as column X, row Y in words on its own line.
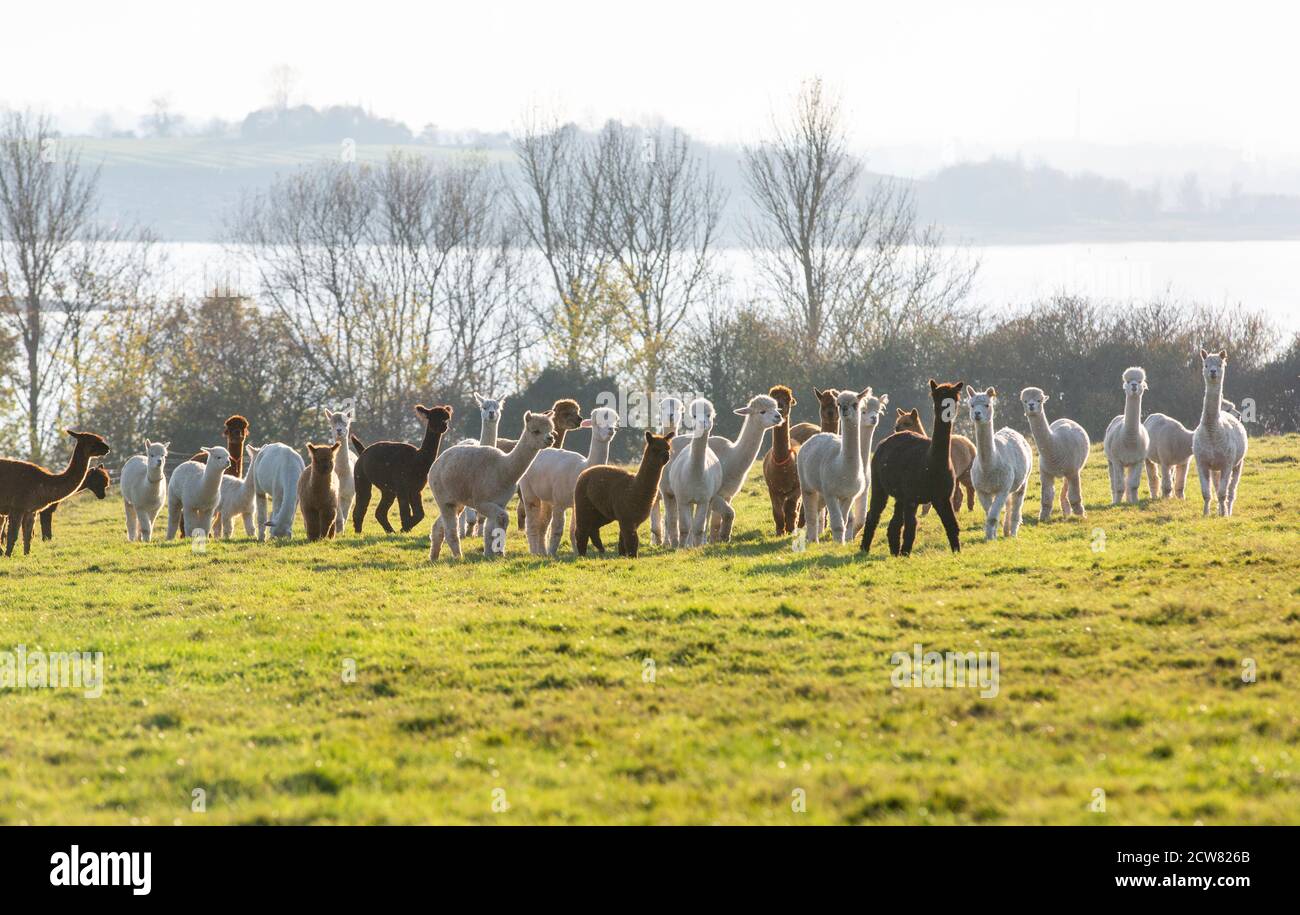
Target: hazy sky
column 986, row 72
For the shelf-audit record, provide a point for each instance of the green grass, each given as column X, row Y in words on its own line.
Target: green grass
column 1120, row 670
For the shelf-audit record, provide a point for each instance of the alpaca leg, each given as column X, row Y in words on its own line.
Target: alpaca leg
column 948, row 515
column 699, row 525
column 1151, row 470
column 778, row 512
column 1048, row 498
column 580, row 539
column 837, row 508
column 1065, row 498
column 1116, row 482
column 404, row 511
column 857, row 515
column 29, row 519
column 895, row 529
column 309, row 524
column 1232, row 485
column 436, row 534
column 11, row 534
column 496, row 521
column 791, row 514
column 386, row 498
column 879, row 498
column 970, row 492
column 672, row 518
column 558, row 514
column 532, row 525
column 1206, row 488
column 722, row 516
column 812, row 513
column 415, row 505
column 632, row 543
column 362, row 501
column 1014, row 515
column 1166, row 481
column 1221, row 486
column 715, row 528
column 622, row 541
column 327, row 519
column 595, row 539
column 1074, row 489
column 683, row 524
column 259, row 503
column 1180, row 480
column 656, row 524
column 132, row 532
column 173, row 518
column 909, row 528
column 993, row 511
column 1134, row 480
column 451, row 522
column 145, row 525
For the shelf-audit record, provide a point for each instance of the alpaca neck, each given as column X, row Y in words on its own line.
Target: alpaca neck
column 598, row 452
column 1212, row 406
column 429, row 446
column 939, row 444
column 342, row 457
column 831, row 424
column 984, row 441
column 781, row 440
column 154, row 474
column 645, row 483
column 488, row 434
column 559, row 440
column 748, row 442
column 866, row 434
column 851, row 442
column 71, row 477
column 248, row 486
column 210, row 482
column 521, row 455
column 320, row 482
column 235, row 445
column 1042, row 433
column 699, row 448
column 1133, row 415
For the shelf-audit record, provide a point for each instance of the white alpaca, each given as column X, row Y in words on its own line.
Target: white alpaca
column 489, row 411
column 1219, row 441
column 1062, row 452
column 1126, row 440
column 695, row 478
column 1000, row 472
column 547, row 486
column 737, row 458
column 873, row 412
column 144, row 489
column 485, row 478
column 340, row 423
column 670, row 420
column 237, row 499
column 1169, row 453
column 276, row 475
column 193, row 492
column 830, row 470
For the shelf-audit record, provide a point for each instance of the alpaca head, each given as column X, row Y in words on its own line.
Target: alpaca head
column 670, row 414
column 322, row 457
column 218, row 458
column 848, row 405
column 539, row 429
column 1135, row 381
column 235, row 431
column 490, row 408
column 701, row 415
column 765, row 411
column 339, row 422
column 658, row 448
column 1033, row 399
column 873, row 409
column 908, row 421
column 830, row 413
column 567, row 415
column 1213, row 365
column 784, row 398
column 438, row 418
column 155, row 456
column 603, row 424
column 981, row 404
column 96, row 481
column 90, row 443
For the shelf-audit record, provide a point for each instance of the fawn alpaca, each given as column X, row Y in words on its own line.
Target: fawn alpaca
column 1126, row 440
column 873, row 414
column 779, row 470
column 567, row 416
column 1219, row 441
column 828, row 412
column 144, row 489
column 961, row 450
column 604, row 494
column 1062, row 452
column 916, row 470
column 340, row 423
column 1001, row 468
column 193, row 493
column 318, row 491
column 400, row 471
column 26, row 488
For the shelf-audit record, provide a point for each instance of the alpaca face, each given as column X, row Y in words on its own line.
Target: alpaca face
column 155, row 456
column 489, row 408
column 847, row 405
column 1033, row 399
column 91, row 443
column 322, row 457
column 784, row 398
column 218, row 457
column 567, row 415
column 908, row 421
column 658, row 448
column 340, row 423
column 539, row 429
column 97, row 481
column 1135, row 382
column 701, row 413
column 764, row 409
column 439, row 418
column 873, row 409
column 1213, row 365
column 826, row 405
column 603, row 423
column 981, row 405
column 671, row 411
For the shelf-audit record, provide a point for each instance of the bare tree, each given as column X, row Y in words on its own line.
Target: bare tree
column 841, row 258
column 282, row 80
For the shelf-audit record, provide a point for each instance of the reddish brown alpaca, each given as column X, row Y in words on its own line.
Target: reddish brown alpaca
column 96, row 481
column 236, row 432
column 915, row 469
column 830, row 417
column 963, row 455
column 318, row 491
column 780, row 471
column 27, row 488
column 604, row 494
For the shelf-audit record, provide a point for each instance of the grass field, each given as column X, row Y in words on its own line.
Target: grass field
column 519, row 691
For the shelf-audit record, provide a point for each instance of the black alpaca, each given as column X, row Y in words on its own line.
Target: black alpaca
column 916, row 470
column 399, row 470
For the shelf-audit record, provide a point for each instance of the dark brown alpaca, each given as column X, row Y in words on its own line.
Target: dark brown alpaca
column 400, row 471
column 604, row 494
column 963, row 456
column 830, row 417
column 96, row 481
column 236, row 432
column 318, row 491
column 27, row 488
column 567, row 416
column 780, row 471
column 915, row 469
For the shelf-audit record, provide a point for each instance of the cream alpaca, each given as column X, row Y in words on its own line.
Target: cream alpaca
column 340, row 423
column 873, row 411
column 1062, row 452
column 547, row 486
column 1169, row 453
column 194, row 491
column 1001, row 469
column 670, row 420
column 1126, row 440
column 761, row 413
column 237, row 500
column 279, row 467
column 1219, row 441
column 489, row 412
column 696, row 479
column 830, row 469
column 144, row 489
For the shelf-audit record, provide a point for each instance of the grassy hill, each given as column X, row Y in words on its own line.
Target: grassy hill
column 524, row 682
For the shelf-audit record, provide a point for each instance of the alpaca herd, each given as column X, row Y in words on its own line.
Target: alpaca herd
column 832, row 475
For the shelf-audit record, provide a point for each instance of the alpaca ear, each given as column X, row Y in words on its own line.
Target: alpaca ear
column 478, row 398
column 585, row 424
column 206, row 451
column 669, row 436
column 865, row 392
column 1223, row 354
column 351, row 414
column 147, row 443
column 884, row 399
column 817, row 391
column 166, row 444
column 649, row 436
column 991, row 391
column 970, row 392
column 335, row 447
column 934, row 386
column 741, row 411
column 1203, row 353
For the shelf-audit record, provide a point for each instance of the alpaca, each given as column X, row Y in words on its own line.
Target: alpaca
column 1001, row 469
column 604, row 494
column 193, row 493
column 484, row 478
column 26, row 488
column 237, row 499
column 399, row 471
column 961, row 450
column 318, row 492
column 779, row 470
column 547, row 487
column 914, row 469
column 490, row 410
column 830, row 469
column 830, row 417
column 1062, row 452
column 144, row 489
column 873, row 413
column 276, row 474
column 1126, row 440
column 1219, row 441
column 96, row 482
column 670, row 420
column 340, row 423
column 738, row 457
column 567, row 416
column 1169, row 454
column 691, row 485
column 235, row 432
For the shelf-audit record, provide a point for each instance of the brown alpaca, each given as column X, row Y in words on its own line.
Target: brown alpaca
column 235, row 431
column 318, row 491
column 963, row 455
column 567, row 416
column 830, row 417
column 399, row 470
column 96, row 481
column 604, row 494
column 27, row 488
column 915, row 469
column 780, row 471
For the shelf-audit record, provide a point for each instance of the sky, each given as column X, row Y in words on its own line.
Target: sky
column 991, row 73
